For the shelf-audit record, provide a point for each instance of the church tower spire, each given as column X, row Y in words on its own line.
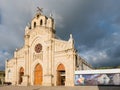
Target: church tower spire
column 42, row 24
column 41, row 20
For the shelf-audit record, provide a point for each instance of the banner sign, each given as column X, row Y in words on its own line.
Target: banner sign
column 97, row 79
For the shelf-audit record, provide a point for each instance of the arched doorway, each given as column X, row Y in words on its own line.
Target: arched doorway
column 60, row 75
column 38, row 75
column 21, row 73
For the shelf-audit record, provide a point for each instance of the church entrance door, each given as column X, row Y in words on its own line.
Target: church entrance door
column 21, row 73
column 38, row 75
column 61, row 75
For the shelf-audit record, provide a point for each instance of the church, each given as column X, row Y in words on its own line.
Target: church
column 44, row 59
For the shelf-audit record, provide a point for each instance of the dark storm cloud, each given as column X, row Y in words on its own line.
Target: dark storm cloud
column 114, row 52
column 95, row 25
column 0, row 18
column 86, row 18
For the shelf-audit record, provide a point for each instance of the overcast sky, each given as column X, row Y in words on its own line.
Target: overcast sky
column 94, row 24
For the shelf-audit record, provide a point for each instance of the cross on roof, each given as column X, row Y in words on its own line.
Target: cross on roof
column 40, row 10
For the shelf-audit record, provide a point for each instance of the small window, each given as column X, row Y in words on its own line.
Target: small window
column 34, row 24
column 41, row 22
column 37, row 16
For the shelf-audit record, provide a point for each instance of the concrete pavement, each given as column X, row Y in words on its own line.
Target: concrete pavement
column 59, row 88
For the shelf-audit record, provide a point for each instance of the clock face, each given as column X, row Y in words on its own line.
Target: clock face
column 38, row 48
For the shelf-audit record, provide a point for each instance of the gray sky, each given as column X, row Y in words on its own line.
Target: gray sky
column 95, row 25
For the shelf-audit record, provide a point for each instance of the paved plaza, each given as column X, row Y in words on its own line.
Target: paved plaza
column 59, row 88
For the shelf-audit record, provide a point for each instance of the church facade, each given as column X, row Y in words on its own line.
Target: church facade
column 44, row 59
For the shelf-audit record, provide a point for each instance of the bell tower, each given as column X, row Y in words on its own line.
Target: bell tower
column 41, row 23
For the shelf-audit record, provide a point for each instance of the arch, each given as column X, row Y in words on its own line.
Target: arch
column 38, row 75
column 41, row 22
column 36, row 39
column 34, row 24
column 60, row 75
column 21, row 73
column 60, row 67
column 34, row 64
column 38, row 16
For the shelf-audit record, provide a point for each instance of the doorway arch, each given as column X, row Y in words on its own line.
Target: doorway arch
column 21, row 73
column 60, row 75
column 38, row 75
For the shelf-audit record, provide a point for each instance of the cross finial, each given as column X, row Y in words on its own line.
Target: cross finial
column 51, row 15
column 39, row 10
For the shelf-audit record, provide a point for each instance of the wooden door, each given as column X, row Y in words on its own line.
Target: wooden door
column 58, row 78
column 38, row 75
column 21, row 73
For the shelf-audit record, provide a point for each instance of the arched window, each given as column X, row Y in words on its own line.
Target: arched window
column 34, row 24
column 41, row 22
column 21, row 73
column 38, row 16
